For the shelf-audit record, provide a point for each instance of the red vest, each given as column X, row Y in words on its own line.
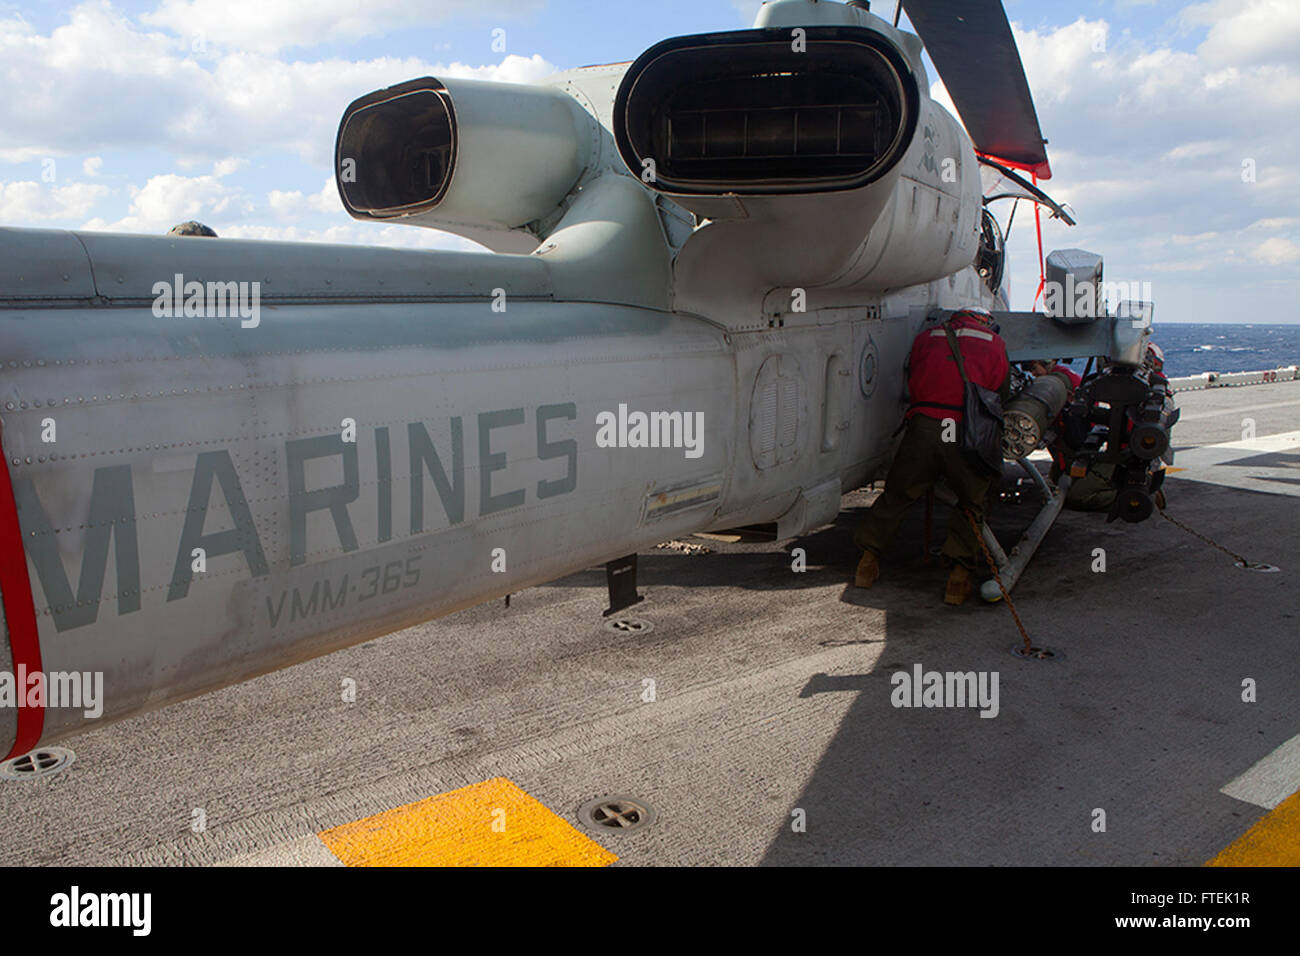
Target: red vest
column 934, row 381
column 1074, row 377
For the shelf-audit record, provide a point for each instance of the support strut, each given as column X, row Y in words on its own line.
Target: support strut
column 620, row 576
column 1011, row 565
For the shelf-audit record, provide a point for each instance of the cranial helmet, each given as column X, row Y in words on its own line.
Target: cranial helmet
column 1155, row 357
column 980, row 315
column 192, row 228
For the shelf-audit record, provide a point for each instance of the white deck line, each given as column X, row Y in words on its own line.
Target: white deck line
column 1272, row 779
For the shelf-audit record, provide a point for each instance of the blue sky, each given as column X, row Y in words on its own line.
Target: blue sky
column 135, row 114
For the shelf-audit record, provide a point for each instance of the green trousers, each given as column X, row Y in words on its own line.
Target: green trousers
column 922, row 458
column 1092, row 492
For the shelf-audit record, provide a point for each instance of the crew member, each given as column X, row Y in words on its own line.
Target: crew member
column 1043, row 366
column 1057, row 449
column 1095, row 491
column 1155, row 360
column 931, row 447
column 192, row 228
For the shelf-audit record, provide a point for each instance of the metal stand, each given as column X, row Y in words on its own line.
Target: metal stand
column 1012, row 565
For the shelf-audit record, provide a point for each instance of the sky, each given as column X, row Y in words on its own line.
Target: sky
column 1173, row 127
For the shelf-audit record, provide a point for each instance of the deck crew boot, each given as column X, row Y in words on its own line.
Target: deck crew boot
column 868, row 570
column 959, row 586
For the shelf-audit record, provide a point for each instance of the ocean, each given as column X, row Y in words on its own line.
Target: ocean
column 1194, row 348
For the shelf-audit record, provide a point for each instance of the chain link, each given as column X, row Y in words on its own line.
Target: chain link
column 1196, row 534
column 993, row 566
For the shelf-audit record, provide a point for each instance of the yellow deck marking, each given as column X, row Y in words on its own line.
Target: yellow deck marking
column 492, row 823
column 1273, row 841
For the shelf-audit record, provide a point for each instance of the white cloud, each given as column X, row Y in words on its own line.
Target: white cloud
column 1245, row 32
column 270, row 27
column 1220, row 78
column 1200, row 239
column 1205, row 147
column 224, row 167
column 1275, row 223
column 1278, row 251
column 294, row 205
column 24, row 203
column 166, row 200
column 151, row 92
column 92, row 165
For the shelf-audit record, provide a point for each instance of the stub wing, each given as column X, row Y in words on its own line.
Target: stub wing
column 1032, row 335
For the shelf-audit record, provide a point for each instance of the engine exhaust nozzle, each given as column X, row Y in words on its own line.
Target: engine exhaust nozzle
column 750, row 112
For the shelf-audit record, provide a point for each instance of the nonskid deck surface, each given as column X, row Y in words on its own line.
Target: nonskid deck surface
column 758, row 716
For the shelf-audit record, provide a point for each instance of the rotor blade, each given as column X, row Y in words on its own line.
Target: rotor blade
column 972, row 47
